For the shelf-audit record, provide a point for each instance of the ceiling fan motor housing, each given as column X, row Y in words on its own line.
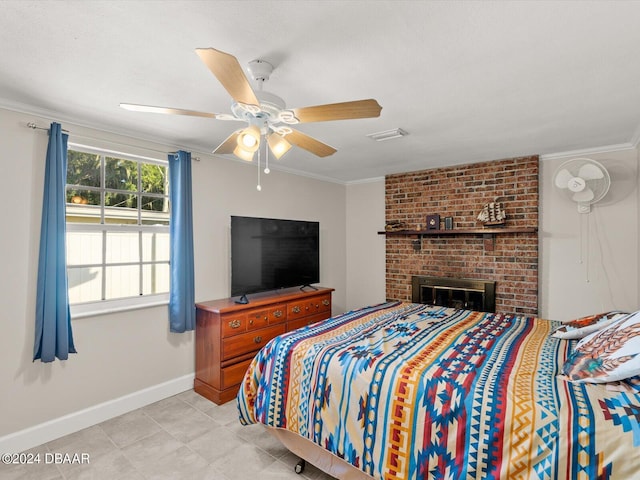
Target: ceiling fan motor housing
column 270, row 112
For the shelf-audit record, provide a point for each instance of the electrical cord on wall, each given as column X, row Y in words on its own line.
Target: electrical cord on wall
column 599, row 239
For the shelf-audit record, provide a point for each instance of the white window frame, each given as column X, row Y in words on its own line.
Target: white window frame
column 87, row 309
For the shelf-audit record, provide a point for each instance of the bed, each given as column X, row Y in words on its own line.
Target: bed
column 412, row 391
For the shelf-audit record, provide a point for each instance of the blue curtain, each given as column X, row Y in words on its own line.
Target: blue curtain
column 53, row 336
column 182, row 311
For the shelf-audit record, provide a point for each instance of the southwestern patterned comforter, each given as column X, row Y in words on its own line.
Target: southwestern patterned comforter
column 411, row 391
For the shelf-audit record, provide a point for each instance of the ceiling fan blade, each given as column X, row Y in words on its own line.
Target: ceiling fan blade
column 562, row 178
column 338, row 111
column 585, row 195
column 174, row 111
column 229, row 144
column 310, row 144
column 228, row 71
column 590, row 172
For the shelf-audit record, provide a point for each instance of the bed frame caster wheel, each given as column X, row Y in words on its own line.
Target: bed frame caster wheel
column 299, row 468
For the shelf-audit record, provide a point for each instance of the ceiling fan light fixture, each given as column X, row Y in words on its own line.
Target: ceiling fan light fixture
column 387, row 134
column 278, row 145
column 243, row 153
column 249, row 138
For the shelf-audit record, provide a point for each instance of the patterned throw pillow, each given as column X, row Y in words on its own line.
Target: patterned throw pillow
column 607, row 355
column 582, row 327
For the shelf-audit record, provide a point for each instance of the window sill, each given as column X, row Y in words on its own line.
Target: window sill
column 115, row 306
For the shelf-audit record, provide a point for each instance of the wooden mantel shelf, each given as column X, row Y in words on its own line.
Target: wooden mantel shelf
column 465, row 231
column 488, row 234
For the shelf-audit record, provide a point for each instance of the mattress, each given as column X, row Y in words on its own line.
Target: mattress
column 412, row 391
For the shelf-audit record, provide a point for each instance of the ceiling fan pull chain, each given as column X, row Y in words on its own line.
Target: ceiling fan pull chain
column 259, row 187
column 266, row 156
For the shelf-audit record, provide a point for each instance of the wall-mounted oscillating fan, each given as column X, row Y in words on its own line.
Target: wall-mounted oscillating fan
column 584, row 180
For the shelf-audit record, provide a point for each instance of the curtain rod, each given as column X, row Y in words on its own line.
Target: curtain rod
column 34, row 126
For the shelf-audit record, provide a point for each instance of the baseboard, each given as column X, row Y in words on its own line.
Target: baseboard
column 59, row 427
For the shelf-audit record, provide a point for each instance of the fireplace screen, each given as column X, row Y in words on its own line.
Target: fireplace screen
column 468, row 294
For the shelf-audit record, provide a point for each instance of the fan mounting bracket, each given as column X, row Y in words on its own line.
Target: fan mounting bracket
column 584, row 207
column 260, row 70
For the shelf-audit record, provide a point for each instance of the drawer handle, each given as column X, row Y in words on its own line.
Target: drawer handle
column 251, row 322
column 235, row 323
column 296, row 309
column 277, row 313
column 257, row 339
column 325, row 302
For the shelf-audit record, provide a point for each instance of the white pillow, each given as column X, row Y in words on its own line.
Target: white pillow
column 582, row 327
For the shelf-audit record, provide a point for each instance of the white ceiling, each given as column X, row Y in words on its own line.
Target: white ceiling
column 470, row 81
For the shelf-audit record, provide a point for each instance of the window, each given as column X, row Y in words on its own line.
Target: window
column 117, row 230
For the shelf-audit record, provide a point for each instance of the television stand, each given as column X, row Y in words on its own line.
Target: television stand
column 228, row 334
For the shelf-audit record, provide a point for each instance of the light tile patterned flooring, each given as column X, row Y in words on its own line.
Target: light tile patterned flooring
column 181, row 437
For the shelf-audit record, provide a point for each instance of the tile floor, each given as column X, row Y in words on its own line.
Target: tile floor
column 182, row 437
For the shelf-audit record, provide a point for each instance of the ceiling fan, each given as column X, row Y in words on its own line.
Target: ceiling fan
column 266, row 114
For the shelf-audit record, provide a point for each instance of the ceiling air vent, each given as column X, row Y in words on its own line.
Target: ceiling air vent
column 387, row 134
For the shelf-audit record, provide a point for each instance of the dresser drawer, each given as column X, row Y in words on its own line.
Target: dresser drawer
column 234, row 374
column 305, row 321
column 233, row 324
column 249, row 342
column 302, row 308
column 266, row 316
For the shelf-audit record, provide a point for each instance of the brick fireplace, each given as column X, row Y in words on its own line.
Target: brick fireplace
column 510, row 259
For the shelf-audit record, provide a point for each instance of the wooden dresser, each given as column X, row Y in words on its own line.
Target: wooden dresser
column 228, row 335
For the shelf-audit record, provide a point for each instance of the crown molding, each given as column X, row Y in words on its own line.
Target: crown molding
column 364, row 180
column 592, row 151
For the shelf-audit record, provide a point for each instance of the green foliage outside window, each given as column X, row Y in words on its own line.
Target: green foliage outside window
column 84, row 170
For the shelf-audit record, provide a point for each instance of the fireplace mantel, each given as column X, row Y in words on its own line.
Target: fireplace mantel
column 489, row 234
column 465, row 231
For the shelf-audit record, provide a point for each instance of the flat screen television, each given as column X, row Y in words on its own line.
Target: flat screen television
column 269, row 254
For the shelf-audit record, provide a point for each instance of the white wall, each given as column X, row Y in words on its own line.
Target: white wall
column 589, row 262
column 121, row 354
column 366, row 249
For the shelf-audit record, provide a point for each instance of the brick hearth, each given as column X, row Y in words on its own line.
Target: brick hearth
column 460, row 192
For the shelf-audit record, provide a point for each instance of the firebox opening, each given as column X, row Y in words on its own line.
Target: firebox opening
column 462, row 293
